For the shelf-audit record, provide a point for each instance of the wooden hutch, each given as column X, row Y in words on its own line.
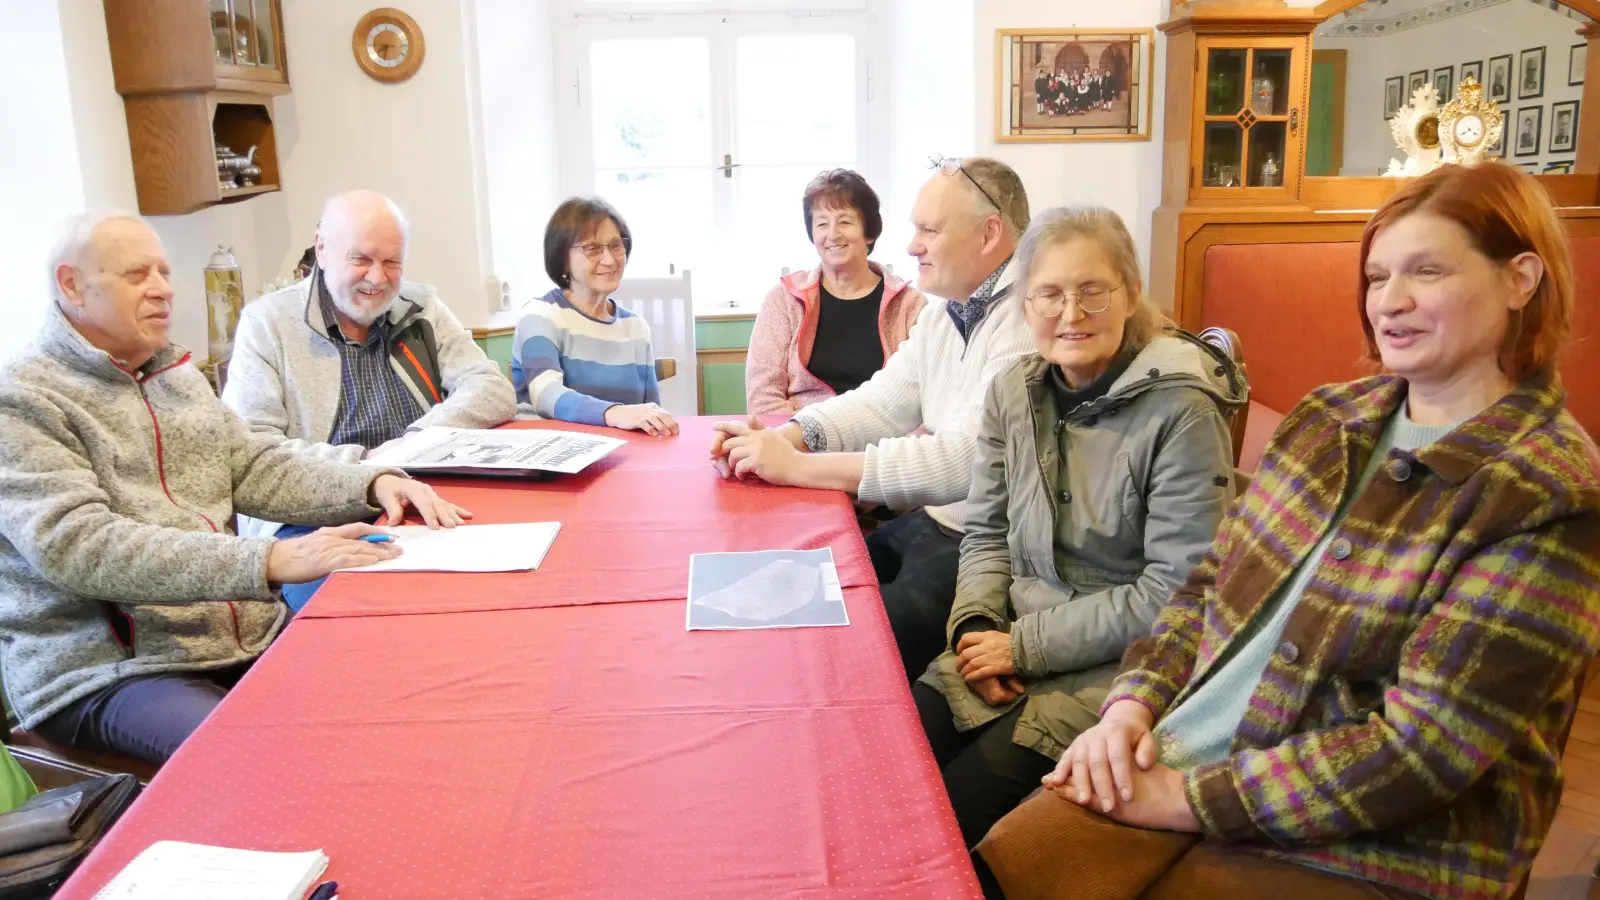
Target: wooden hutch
column 194, row 74
column 1217, row 185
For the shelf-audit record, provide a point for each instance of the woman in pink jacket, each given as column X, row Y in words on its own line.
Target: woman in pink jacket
column 826, row 331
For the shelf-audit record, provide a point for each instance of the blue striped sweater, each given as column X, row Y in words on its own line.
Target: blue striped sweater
column 567, row 365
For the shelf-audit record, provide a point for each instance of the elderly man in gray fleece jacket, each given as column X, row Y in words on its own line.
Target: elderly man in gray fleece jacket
column 127, row 605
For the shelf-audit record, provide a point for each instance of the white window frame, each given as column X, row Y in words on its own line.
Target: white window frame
column 579, row 23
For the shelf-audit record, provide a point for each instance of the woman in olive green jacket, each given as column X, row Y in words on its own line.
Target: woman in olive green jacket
column 1103, row 467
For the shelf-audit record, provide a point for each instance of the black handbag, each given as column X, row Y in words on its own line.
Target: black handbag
column 43, row 841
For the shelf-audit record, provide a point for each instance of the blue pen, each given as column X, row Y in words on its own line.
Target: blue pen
column 375, row 539
column 324, row 891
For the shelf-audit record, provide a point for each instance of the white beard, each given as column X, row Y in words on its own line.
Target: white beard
column 344, row 303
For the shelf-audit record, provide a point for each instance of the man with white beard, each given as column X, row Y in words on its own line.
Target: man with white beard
column 352, row 357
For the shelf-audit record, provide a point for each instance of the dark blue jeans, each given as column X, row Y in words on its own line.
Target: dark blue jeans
column 916, row 561
column 146, row 717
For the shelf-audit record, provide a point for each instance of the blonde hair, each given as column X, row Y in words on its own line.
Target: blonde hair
column 1057, row 226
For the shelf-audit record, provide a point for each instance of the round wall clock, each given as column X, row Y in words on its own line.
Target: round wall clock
column 388, row 45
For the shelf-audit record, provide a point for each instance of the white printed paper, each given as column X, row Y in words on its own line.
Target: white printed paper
column 172, row 870
column 469, row 548
column 766, row 589
column 437, row 449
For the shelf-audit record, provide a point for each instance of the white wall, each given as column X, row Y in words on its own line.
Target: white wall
column 415, row 142
column 930, row 106
column 517, row 84
column 39, row 177
column 1508, row 28
column 1124, row 176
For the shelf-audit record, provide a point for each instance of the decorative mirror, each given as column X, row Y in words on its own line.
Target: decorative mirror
column 1368, row 62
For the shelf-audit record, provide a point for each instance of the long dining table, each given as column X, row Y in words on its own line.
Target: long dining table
column 559, row 733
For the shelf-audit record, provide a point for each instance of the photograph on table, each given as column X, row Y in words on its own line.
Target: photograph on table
column 1499, row 83
column 1527, row 130
column 1417, row 79
column 1444, row 81
column 764, row 589
column 1392, row 101
column 1564, row 167
column 1065, row 84
column 1530, row 74
column 1472, row 70
column 1563, row 126
column 1577, row 61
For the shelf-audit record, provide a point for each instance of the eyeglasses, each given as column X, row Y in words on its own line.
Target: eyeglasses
column 593, row 250
column 950, row 165
column 1050, row 301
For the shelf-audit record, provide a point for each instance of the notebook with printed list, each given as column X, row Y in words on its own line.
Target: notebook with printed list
column 173, row 870
column 503, row 452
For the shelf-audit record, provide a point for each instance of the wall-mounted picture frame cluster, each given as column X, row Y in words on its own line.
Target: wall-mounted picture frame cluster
column 1393, row 96
column 1527, row 129
column 1577, row 64
column 1530, row 131
column 1499, row 83
column 1564, row 126
column 1530, row 74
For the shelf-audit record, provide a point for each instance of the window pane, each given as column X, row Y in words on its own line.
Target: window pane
column 651, row 99
column 669, row 212
column 769, row 230
column 795, row 99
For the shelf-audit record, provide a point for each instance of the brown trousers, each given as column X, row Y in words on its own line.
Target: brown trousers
column 1050, row 849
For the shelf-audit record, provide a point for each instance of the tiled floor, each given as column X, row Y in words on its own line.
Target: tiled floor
column 1564, row 869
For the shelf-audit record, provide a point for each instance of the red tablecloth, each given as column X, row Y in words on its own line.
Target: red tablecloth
column 590, row 750
column 628, row 526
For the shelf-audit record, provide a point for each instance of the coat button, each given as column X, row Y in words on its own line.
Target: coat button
column 1288, row 652
column 1066, row 496
column 1399, row 469
column 1340, row 549
column 1155, row 373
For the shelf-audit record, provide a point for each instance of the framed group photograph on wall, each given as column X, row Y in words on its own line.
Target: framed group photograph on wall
column 1416, row 80
column 1068, row 84
column 1563, row 126
column 1392, row 101
column 1530, row 74
column 1499, row 83
column 1577, row 61
column 1444, row 81
column 1473, row 70
column 1527, row 130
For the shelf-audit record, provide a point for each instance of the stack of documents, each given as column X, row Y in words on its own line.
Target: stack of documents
column 171, row 870
column 509, row 452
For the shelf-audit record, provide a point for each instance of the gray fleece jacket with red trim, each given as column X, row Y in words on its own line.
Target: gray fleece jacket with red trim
column 117, row 492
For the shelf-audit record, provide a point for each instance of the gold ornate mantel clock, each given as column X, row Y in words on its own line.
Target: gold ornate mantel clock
column 1470, row 124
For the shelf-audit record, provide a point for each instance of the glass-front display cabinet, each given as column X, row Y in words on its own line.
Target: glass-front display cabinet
column 1249, row 137
column 247, row 40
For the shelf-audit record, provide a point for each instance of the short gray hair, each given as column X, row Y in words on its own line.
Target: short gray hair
column 1004, row 186
column 75, row 241
column 1061, row 224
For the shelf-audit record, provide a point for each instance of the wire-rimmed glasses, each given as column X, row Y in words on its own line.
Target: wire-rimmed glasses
column 1050, row 302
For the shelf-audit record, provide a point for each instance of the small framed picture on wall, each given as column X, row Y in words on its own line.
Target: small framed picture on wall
column 1564, row 167
column 1531, row 168
column 1392, row 90
column 1530, row 74
column 1444, row 81
column 1563, row 126
column 1577, row 61
column 1527, row 131
column 1498, row 148
column 1473, row 70
column 1499, row 83
column 1417, row 79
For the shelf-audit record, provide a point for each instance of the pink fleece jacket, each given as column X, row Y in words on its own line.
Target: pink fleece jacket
column 776, row 379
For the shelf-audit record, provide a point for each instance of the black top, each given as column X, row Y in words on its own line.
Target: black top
column 1068, row 399
column 848, row 348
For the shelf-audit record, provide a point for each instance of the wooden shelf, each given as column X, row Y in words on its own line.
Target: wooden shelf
column 180, row 98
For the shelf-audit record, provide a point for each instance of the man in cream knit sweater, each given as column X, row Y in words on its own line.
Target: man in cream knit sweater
column 967, row 221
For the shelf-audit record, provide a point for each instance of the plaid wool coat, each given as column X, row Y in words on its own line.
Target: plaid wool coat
column 1405, row 728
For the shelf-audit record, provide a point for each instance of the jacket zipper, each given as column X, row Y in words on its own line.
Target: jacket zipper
column 161, row 473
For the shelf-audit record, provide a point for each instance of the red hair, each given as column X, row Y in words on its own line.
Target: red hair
column 1507, row 213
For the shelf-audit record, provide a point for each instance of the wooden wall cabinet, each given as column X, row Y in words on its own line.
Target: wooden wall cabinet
column 193, row 73
column 1220, row 131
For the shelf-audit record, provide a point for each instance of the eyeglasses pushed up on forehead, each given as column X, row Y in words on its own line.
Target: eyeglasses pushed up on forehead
column 593, row 250
column 950, row 165
column 1050, row 301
